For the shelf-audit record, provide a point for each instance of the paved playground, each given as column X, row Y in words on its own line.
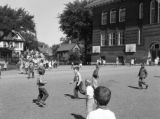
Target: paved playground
column 127, row 102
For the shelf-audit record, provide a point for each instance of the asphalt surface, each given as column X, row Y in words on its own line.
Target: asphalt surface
column 127, row 101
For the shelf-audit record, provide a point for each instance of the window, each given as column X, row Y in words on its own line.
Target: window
column 16, row 45
column 139, row 36
column 104, row 18
column 20, row 45
column 152, row 12
column 121, row 38
column 4, row 44
column 102, row 38
column 158, row 12
column 141, row 11
column 122, row 15
column 113, row 16
column 112, row 39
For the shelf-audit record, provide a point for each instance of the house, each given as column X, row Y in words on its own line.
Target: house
column 63, row 52
column 125, row 29
column 11, row 44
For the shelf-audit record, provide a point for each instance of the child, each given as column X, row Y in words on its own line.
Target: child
column 43, row 94
column 31, row 69
column 142, row 75
column 89, row 96
column 95, row 77
column 102, row 97
column 79, row 83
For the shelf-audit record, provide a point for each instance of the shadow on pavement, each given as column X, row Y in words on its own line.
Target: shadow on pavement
column 134, row 87
column 72, row 97
column 76, row 116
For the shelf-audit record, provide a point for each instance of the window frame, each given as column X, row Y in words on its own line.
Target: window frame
column 112, row 39
column 120, row 39
column 158, row 12
column 104, row 18
column 102, row 38
column 113, row 15
column 152, row 16
column 122, row 18
column 141, row 10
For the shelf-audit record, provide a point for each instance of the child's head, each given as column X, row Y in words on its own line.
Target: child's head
column 142, row 65
column 102, row 95
column 97, row 66
column 76, row 68
column 88, row 82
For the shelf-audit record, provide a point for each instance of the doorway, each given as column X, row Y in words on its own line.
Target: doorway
column 155, row 51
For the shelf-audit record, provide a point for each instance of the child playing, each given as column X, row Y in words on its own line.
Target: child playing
column 31, row 69
column 95, row 77
column 79, row 83
column 89, row 96
column 43, row 94
column 142, row 75
column 102, row 97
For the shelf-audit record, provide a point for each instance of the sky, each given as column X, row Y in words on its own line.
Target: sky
column 45, row 16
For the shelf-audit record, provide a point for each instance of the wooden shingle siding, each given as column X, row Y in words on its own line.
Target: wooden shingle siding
column 151, row 30
column 131, row 35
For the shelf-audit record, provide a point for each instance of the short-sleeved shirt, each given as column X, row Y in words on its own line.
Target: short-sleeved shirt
column 101, row 114
column 89, row 92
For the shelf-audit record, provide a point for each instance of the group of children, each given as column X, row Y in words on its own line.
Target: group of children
column 95, row 94
column 100, row 95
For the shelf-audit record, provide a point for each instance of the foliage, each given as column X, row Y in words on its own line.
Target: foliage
column 75, row 57
column 31, row 41
column 16, row 19
column 76, row 23
column 76, row 19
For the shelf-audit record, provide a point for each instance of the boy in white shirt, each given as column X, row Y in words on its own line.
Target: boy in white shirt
column 102, row 97
column 89, row 96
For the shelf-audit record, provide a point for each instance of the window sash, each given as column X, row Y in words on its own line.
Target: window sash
column 113, row 16
column 104, row 18
column 122, row 15
column 102, row 38
column 139, row 37
column 120, row 38
column 158, row 12
column 152, row 12
column 140, row 10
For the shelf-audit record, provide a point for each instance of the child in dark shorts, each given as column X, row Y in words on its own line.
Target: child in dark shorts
column 43, row 94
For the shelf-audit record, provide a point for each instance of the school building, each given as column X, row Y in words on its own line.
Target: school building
column 125, row 29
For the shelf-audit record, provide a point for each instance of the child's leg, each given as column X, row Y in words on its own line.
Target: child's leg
column 29, row 73
column 40, row 95
column 45, row 95
column 81, row 89
column 75, row 91
column 140, row 83
column 32, row 74
column 144, row 83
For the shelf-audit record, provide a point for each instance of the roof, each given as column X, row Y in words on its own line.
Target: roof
column 100, row 2
column 14, row 36
column 46, row 51
column 66, row 47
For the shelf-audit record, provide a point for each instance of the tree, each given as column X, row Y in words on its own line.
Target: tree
column 75, row 57
column 16, row 19
column 31, row 41
column 76, row 22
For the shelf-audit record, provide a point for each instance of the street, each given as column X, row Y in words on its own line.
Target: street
column 127, row 101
